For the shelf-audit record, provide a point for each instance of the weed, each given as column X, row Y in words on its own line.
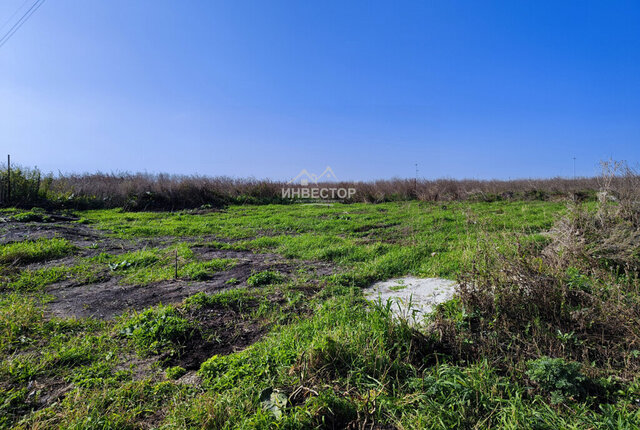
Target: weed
column 266, row 277
column 200, row 271
column 156, row 329
column 561, row 379
column 175, row 372
column 32, row 216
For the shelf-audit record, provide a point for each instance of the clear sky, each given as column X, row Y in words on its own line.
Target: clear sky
column 266, row 88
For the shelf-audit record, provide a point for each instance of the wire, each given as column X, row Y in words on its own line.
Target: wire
column 34, row 7
column 8, row 21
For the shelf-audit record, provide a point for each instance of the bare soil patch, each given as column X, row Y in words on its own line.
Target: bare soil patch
column 221, row 330
column 108, row 298
column 80, row 234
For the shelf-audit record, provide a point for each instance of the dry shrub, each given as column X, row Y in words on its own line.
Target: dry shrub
column 577, row 298
column 524, row 308
column 473, row 189
column 608, row 237
column 161, row 192
column 141, row 191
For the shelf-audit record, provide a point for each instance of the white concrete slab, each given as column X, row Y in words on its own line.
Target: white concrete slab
column 412, row 297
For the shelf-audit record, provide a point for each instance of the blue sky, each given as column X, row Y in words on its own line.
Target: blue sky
column 265, row 88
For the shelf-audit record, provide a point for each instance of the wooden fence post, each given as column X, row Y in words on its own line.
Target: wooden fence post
column 176, row 274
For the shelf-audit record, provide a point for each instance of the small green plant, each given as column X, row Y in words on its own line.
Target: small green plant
column 236, row 298
column 557, row 377
column 578, row 281
column 201, row 271
column 175, row 372
column 266, row 277
column 124, row 264
column 215, row 366
column 232, row 281
column 156, row 329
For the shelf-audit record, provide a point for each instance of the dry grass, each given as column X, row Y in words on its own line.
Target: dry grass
column 140, row 191
column 574, row 295
column 144, row 191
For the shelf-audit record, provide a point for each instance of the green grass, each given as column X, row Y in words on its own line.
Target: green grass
column 236, row 298
column 145, row 266
column 328, row 359
column 375, row 241
column 156, row 329
column 266, row 277
column 34, row 251
column 203, row 270
column 36, row 280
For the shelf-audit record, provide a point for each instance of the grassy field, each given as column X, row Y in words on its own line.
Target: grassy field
column 370, row 241
column 254, row 317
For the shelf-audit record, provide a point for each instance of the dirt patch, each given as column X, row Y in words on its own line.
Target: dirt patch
column 221, row 330
column 48, row 390
column 109, row 298
column 88, row 240
column 13, row 231
column 370, row 227
column 41, row 392
column 141, row 367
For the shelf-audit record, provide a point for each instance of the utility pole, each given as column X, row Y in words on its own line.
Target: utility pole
column 415, row 182
column 574, row 167
column 8, row 178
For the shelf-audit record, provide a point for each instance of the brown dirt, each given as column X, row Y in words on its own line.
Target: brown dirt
column 108, row 298
column 221, row 330
column 12, row 231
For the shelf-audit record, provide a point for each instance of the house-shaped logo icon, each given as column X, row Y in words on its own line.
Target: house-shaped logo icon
column 305, row 178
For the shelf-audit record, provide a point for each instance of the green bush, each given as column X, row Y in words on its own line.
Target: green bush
column 558, row 377
column 27, row 186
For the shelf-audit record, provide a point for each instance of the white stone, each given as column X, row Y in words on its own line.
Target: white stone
column 412, row 297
